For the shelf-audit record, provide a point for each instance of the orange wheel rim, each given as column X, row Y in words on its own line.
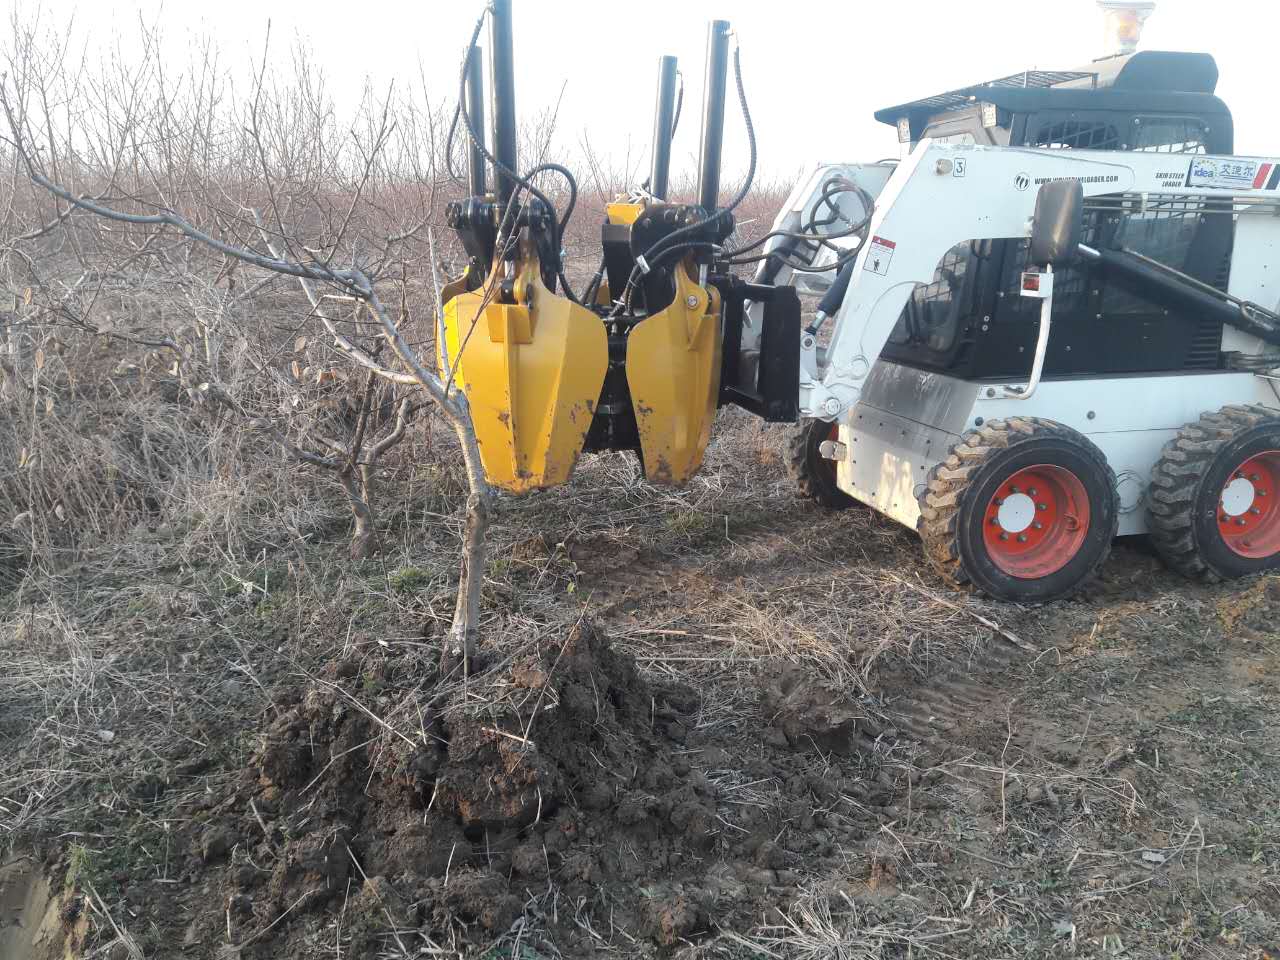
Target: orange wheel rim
column 1248, row 518
column 1036, row 522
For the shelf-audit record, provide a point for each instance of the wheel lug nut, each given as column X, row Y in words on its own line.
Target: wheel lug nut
column 1014, row 490
column 1022, row 538
column 999, row 501
column 1225, row 518
column 995, row 521
column 1241, row 522
column 1255, row 511
column 1037, row 525
column 1254, row 478
column 1042, row 506
column 1031, row 492
column 1004, row 536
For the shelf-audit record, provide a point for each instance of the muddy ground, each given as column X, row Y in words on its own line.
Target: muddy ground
column 717, row 722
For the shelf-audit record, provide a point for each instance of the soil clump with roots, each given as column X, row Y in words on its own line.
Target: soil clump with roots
column 561, row 776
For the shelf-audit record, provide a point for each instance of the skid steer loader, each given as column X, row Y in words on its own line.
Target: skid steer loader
column 1052, row 322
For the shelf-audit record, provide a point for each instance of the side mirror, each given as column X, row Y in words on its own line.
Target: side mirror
column 1058, row 227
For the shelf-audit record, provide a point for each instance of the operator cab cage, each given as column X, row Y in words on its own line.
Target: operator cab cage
column 996, row 113
column 971, row 323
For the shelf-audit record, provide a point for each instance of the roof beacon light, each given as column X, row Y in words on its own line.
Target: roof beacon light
column 1122, row 24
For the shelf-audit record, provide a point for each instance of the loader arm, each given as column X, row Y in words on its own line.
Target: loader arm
column 943, row 195
column 823, row 221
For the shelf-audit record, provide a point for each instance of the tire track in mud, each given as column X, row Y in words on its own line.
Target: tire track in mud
column 964, row 703
column 967, row 705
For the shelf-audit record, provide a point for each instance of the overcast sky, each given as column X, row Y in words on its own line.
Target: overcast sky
column 814, row 71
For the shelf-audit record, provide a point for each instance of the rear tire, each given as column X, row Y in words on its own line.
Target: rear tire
column 814, row 474
column 1212, row 509
column 1023, row 509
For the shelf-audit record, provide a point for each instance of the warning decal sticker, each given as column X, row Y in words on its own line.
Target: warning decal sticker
column 880, row 256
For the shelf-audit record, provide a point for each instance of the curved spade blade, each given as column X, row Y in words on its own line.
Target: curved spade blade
column 673, row 371
column 532, row 376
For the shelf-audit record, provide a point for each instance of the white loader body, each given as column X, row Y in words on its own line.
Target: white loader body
column 897, row 422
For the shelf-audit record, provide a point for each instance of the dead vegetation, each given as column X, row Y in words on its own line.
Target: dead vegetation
column 713, row 722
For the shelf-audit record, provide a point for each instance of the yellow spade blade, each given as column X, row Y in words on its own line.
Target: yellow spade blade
column 673, row 370
column 532, row 375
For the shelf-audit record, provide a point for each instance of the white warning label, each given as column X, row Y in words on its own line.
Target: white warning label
column 880, row 256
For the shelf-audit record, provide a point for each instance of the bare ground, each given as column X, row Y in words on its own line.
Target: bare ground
column 717, row 722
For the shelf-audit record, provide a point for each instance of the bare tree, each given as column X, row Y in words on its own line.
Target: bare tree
column 171, row 194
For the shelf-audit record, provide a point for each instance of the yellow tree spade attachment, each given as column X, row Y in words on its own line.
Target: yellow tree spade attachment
column 673, row 372
column 637, row 365
column 532, row 373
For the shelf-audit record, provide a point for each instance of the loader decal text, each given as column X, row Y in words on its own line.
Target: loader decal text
column 1112, row 178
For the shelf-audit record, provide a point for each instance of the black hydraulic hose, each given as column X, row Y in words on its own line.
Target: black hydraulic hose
column 448, row 147
column 804, row 233
column 836, row 264
column 569, row 181
column 589, row 296
column 665, row 254
column 564, row 221
column 833, row 187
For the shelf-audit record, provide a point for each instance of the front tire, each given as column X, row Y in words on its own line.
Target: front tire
column 814, row 474
column 1212, row 509
column 1023, row 509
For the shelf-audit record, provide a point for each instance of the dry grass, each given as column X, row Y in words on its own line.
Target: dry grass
column 997, row 777
column 1097, row 777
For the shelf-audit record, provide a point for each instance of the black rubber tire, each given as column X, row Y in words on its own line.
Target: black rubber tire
column 1186, row 489
column 814, row 474
column 953, row 505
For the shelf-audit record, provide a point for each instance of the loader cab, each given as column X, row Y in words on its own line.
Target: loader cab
column 970, row 321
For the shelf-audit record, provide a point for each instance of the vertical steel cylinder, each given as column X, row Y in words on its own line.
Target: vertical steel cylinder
column 663, row 118
column 475, row 108
column 713, row 114
column 503, row 97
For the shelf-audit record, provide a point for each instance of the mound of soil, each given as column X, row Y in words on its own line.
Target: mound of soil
column 562, row 771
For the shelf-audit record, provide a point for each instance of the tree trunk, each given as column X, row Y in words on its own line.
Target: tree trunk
column 364, row 535
column 460, row 646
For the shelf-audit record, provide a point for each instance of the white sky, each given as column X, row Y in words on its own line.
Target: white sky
column 814, row 70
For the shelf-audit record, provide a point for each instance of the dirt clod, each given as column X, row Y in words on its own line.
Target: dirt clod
column 808, row 715
column 671, row 920
column 215, row 843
